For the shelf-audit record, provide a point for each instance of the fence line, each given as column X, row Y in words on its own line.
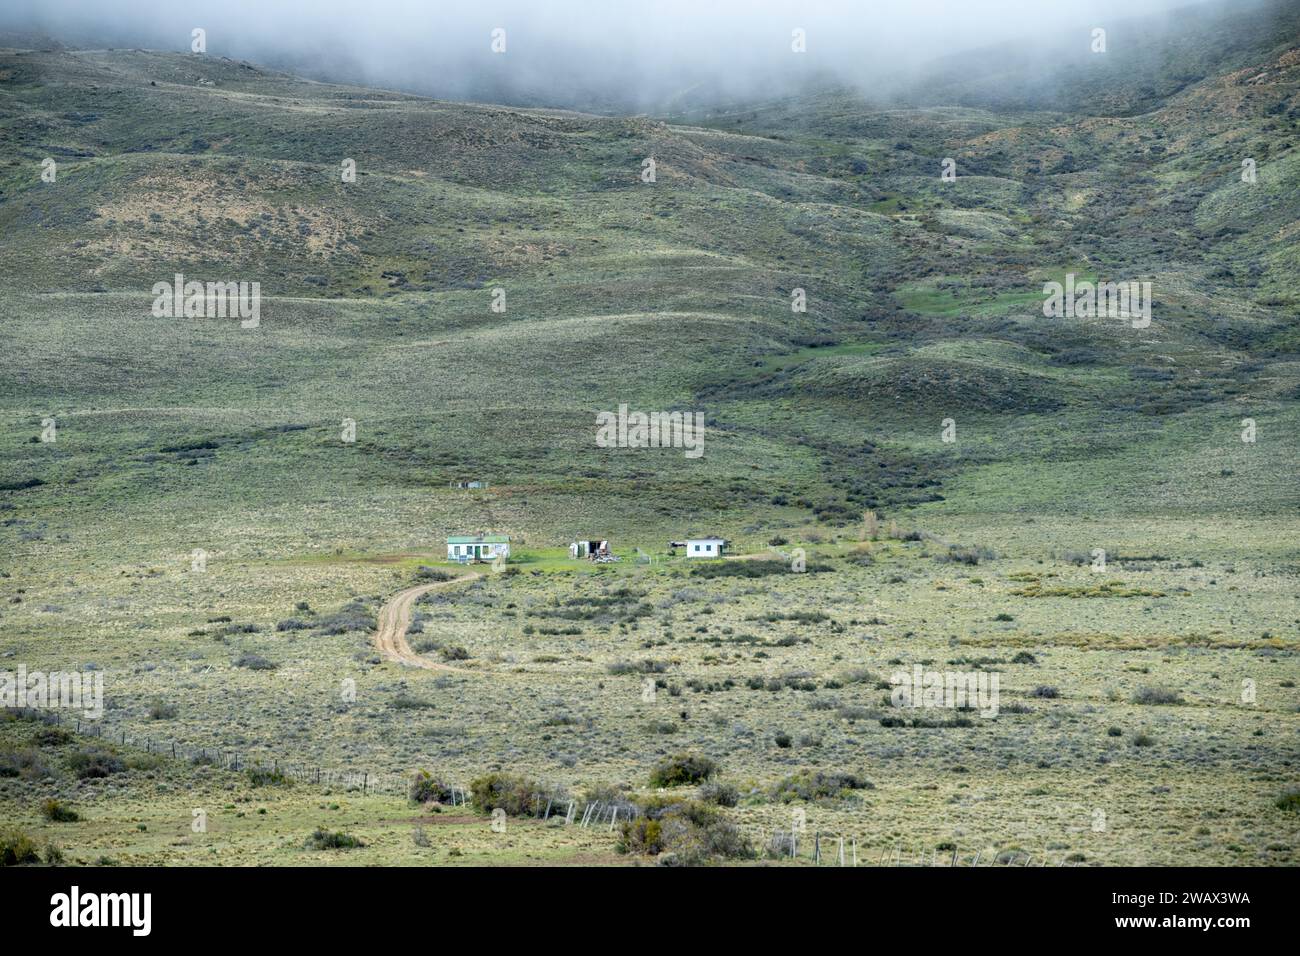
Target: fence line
column 840, row 849
column 226, row 758
column 585, row 814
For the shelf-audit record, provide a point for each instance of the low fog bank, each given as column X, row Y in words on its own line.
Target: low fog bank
column 583, row 54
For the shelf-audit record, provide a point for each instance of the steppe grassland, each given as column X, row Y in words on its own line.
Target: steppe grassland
column 1071, row 436
column 548, row 704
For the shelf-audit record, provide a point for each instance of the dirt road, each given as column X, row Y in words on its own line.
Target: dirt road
column 395, row 618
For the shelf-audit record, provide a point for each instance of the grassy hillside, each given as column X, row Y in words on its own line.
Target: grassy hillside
column 923, row 304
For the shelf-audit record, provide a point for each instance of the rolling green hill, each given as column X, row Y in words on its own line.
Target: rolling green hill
column 924, row 305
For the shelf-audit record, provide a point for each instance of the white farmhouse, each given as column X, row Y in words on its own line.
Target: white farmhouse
column 478, row 547
column 707, row 547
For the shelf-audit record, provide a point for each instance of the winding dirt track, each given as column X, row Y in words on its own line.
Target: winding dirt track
column 395, row 618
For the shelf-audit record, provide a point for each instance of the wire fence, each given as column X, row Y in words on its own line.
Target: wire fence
column 232, row 759
column 545, row 804
column 838, row 849
column 818, row 847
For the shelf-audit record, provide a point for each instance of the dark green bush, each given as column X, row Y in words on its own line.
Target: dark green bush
column 56, row 811
column 1156, row 695
column 819, row 785
column 719, row 794
column 92, row 762
column 16, row 848
column 266, row 777
column 682, row 769
column 517, row 795
column 322, row 839
column 683, row 831
column 425, row 788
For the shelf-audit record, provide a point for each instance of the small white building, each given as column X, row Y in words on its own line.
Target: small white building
column 478, row 547
column 708, row 547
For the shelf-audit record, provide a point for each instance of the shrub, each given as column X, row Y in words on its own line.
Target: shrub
column 750, row 569
column 517, row 795
column 322, row 839
column 719, row 794
column 353, row 616
column 1045, row 691
column 1156, row 695
column 636, row 667
column 856, row 675
column 145, row 761
column 1289, row 799
column 22, row 763
column 56, row 811
column 254, row 662
column 972, row 555
column 455, row 654
column 92, row 762
column 1024, row 657
column 682, row 769
column 407, row 702
column 266, row 777
column 16, row 848
column 160, row 710
column 1144, row 740
column 819, row 786
column 683, row 832
column 425, row 788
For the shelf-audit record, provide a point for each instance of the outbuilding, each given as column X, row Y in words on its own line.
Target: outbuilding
column 590, row 548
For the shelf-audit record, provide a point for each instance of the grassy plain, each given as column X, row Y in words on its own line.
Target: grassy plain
column 923, row 305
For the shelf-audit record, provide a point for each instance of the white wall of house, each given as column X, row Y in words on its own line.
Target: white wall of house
column 703, row 548
column 465, row 552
